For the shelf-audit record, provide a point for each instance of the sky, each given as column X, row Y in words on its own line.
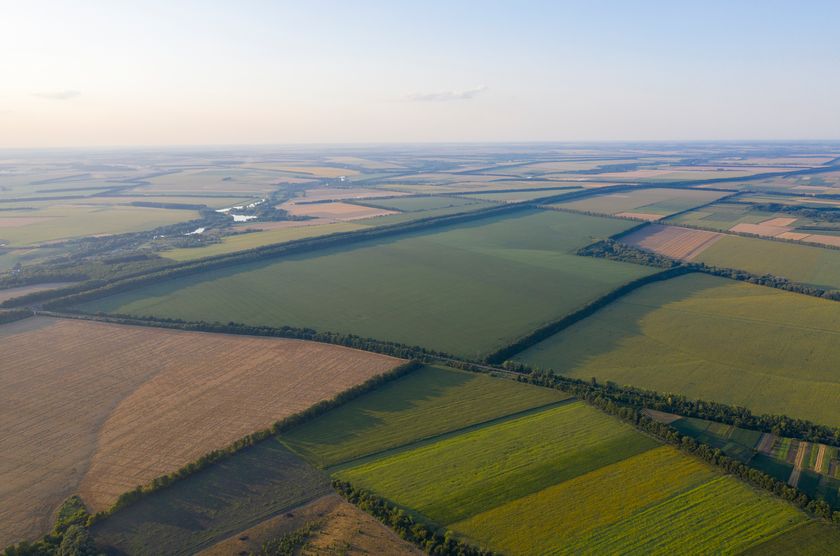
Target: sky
column 178, row 72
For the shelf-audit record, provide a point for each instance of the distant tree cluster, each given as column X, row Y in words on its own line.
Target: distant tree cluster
column 406, row 526
column 69, row 537
column 827, row 213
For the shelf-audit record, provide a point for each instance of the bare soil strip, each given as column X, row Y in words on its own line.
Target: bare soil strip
column 661, row 416
column 782, row 221
column 97, row 409
column 765, row 444
column 760, row 229
column 797, row 463
column 820, row 457
column 672, row 241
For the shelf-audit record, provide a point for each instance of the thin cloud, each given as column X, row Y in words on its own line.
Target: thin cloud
column 445, row 96
column 58, row 95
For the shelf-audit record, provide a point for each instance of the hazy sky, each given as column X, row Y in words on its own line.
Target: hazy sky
column 90, row 73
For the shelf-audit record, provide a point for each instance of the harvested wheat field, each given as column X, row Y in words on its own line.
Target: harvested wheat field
column 335, row 210
column 336, row 527
column 97, row 409
column 762, row 229
column 672, row 241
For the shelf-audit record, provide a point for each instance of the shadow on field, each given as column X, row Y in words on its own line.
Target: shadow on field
column 219, row 501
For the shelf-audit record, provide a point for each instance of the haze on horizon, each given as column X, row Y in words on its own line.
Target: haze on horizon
column 97, row 73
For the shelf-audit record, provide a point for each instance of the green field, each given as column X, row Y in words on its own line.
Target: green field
column 659, row 201
column 810, row 538
column 466, row 290
column 722, row 216
column 426, row 403
column 57, row 222
column 222, row 500
column 624, row 508
column 461, row 476
column 239, row 242
column 714, row 339
column 816, row 266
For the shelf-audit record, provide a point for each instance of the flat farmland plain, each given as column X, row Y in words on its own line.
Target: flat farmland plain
column 98, row 409
column 458, row 477
column 60, row 222
column 710, row 338
column 672, row 241
column 645, row 203
column 238, row 242
column 815, row 266
column 442, row 289
column 623, row 508
column 426, row 403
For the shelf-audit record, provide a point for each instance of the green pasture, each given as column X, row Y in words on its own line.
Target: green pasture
column 467, row 289
column 710, row 338
column 426, row 403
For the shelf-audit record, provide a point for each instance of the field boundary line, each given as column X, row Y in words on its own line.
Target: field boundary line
column 432, row 439
column 263, row 516
column 546, row 331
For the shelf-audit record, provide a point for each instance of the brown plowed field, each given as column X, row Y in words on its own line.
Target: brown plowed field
column 99, row 408
column 339, row 528
column 672, row 241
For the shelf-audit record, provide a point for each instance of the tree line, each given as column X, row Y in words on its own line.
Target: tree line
column 617, row 251
column 69, row 536
column 249, row 440
column 550, row 329
column 627, row 404
column 416, row 532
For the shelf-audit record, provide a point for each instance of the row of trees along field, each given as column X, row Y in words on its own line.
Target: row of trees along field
column 385, row 347
column 626, row 403
column 249, row 440
column 553, row 328
column 617, row 251
column 405, row 526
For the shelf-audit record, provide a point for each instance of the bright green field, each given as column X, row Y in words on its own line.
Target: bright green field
column 466, row 290
column 658, row 502
column 30, row 227
column 800, row 263
column 467, row 474
column 428, row 402
column 652, row 201
column 240, row 242
column 714, row 339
